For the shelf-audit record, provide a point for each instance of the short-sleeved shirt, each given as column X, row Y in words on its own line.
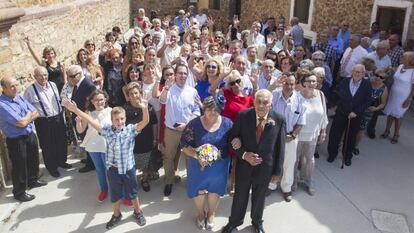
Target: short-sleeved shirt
column 144, row 140
column 48, row 99
column 11, row 111
column 120, row 147
column 292, row 108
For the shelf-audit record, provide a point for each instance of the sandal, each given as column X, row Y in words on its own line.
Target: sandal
column 385, row 134
column 394, row 139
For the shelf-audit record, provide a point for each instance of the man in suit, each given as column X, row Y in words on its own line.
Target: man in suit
column 82, row 88
column 353, row 95
column 258, row 158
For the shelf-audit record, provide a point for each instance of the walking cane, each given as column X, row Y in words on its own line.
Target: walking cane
column 345, row 143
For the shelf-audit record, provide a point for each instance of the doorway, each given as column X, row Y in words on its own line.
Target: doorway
column 391, row 19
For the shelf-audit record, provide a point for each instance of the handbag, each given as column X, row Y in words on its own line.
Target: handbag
column 155, row 162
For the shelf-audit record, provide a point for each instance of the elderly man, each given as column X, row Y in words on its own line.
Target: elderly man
column 259, row 157
column 170, row 50
column 268, row 75
column 180, row 108
column 344, row 34
column 290, row 104
column 82, row 88
column 16, row 122
column 352, row 56
column 352, row 97
column 296, row 32
column 50, row 128
column 396, row 51
column 379, row 56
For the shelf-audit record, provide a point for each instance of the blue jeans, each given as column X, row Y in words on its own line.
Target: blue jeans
column 98, row 159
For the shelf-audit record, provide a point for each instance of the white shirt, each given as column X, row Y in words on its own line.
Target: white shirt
column 162, row 33
column 201, row 19
column 263, row 83
column 180, row 105
column 147, row 88
column 257, row 39
column 49, row 95
column 353, row 87
column 292, row 108
column 93, row 142
column 357, row 54
column 170, row 54
column 383, row 62
column 316, row 118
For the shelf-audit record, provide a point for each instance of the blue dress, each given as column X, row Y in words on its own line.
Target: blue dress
column 213, row 178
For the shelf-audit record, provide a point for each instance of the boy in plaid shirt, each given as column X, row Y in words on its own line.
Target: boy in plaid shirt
column 120, row 161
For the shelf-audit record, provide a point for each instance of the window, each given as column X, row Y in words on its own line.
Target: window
column 214, row 4
column 301, row 10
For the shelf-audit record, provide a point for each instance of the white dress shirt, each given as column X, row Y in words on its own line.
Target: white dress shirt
column 180, row 105
column 357, row 54
column 293, row 108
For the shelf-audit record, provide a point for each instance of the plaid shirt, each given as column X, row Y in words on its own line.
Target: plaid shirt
column 120, row 147
column 395, row 55
column 330, row 52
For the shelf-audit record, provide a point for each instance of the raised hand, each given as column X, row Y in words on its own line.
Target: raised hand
column 143, row 102
column 227, row 69
column 69, row 105
column 254, row 76
column 270, row 40
column 169, row 83
column 210, row 22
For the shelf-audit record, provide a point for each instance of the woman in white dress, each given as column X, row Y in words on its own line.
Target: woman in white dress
column 401, row 95
column 312, row 133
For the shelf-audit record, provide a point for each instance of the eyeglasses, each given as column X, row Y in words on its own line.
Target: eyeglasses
column 280, row 29
column 73, row 76
column 90, row 44
column 232, row 83
column 211, row 67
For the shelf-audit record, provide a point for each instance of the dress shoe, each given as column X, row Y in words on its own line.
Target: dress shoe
column 310, row 191
column 167, row 190
column 330, row 159
column 258, row 229
column 228, row 228
column 86, row 169
column 65, row 165
column 348, row 162
column 287, row 196
column 25, row 197
column 83, row 160
column 55, row 174
column 268, row 192
column 36, row 184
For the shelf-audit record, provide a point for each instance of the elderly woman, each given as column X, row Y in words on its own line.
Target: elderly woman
column 55, row 69
column 206, row 181
column 318, row 59
column 379, row 98
column 312, row 133
column 401, row 95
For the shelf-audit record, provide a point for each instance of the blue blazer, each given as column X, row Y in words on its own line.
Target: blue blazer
column 346, row 103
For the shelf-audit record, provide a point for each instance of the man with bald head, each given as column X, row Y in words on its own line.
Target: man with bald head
column 396, row 51
column 50, row 128
column 352, row 97
column 16, row 122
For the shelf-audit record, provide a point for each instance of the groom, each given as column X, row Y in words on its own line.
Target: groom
column 258, row 158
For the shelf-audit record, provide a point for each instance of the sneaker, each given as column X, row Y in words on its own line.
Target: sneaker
column 114, row 220
column 127, row 202
column 102, row 196
column 140, row 218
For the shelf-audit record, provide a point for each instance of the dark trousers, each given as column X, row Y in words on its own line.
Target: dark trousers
column 338, row 128
column 24, row 155
column 52, row 140
column 372, row 123
column 241, row 199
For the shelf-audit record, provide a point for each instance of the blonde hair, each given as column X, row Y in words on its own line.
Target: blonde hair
column 234, row 75
column 117, row 111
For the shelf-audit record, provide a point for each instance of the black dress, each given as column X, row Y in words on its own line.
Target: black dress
column 55, row 75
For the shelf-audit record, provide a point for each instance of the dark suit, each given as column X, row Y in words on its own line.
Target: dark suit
column 270, row 148
column 86, row 87
column 346, row 103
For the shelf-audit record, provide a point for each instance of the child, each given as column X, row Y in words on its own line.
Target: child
column 120, row 162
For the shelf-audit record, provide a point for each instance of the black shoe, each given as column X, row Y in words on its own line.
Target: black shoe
column 228, row 228
column 83, row 160
column 140, row 218
column 114, row 220
column 167, row 190
column 145, row 185
column 371, row 135
column 65, row 165
column 55, row 174
column 330, row 159
column 258, row 229
column 36, row 184
column 268, row 192
column 86, row 169
column 316, row 155
column 348, row 162
column 25, row 197
column 355, row 151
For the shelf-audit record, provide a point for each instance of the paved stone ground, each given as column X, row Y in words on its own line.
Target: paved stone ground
column 380, row 179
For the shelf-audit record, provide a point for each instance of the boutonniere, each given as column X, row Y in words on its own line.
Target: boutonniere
column 270, row 122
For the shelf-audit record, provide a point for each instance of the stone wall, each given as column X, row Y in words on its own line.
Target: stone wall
column 30, row 3
column 252, row 10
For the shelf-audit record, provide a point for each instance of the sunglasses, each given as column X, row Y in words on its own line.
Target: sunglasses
column 379, row 76
column 280, row 29
column 232, row 83
column 73, row 76
column 211, row 67
column 90, row 44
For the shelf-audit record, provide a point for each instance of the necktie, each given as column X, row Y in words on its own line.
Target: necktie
column 75, row 89
column 259, row 129
column 346, row 61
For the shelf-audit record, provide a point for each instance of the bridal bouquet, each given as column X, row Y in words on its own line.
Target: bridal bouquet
column 207, row 154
